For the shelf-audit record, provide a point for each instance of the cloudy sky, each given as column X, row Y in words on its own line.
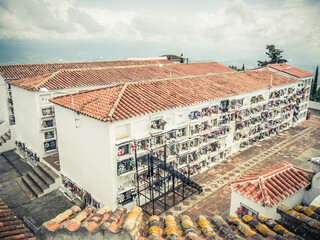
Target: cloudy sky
column 229, row 31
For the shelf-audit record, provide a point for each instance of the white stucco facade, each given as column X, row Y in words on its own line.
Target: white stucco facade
column 98, row 157
column 34, row 129
column 238, row 200
column 303, row 82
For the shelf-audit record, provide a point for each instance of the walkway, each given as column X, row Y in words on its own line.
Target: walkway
column 295, row 145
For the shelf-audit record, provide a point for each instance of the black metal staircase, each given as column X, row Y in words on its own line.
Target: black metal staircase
column 178, row 175
column 160, row 186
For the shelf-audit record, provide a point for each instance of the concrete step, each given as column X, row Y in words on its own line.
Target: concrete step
column 48, row 171
column 31, row 184
column 6, row 137
column 45, row 177
column 8, row 134
column 26, row 188
column 38, row 181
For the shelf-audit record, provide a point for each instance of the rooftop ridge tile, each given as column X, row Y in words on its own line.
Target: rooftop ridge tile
column 115, row 105
column 169, row 93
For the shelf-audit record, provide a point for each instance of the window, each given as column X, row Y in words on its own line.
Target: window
column 224, row 106
column 214, row 109
column 50, row 145
column 125, row 166
column 195, row 115
column 125, row 197
column 48, row 123
column 158, row 140
column 249, row 211
column 158, row 124
column 182, row 132
column 48, row 135
column 205, row 111
column 123, row 150
column 143, row 160
column 183, row 160
column 143, row 144
column 49, row 111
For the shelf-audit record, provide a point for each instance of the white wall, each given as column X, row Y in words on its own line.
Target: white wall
column 27, row 121
column 3, row 100
column 88, row 154
column 84, row 154
column 271, row 212
column 314, row 105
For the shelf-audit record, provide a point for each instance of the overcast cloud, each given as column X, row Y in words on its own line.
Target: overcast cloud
column 235, row 30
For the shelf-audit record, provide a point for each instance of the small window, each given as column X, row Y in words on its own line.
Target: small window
column 125, row 166
column 143, row 161
column 125, row 197
column 158, row 140
column 224, row 106
column 182, row 132
column 195, row 115
column 50, row 145
column 158, row 124
column 183, row 160
column 249, row 211
column 123, row 150
column 48, row 135
column 143, row 144
column 214, row 109
column 49, row 111
column 205, row 112
column 48, row 123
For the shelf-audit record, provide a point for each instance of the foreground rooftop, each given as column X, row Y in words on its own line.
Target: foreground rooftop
column 11, row 227
column 104, row 224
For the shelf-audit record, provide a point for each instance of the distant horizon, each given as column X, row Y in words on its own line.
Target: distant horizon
column 231, row 32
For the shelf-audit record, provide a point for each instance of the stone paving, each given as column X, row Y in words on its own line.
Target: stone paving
column 295, row 145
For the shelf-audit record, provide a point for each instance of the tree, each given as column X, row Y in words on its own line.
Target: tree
column 317, row 96
column 274, row 54
column 314, row 86
column 236, row 68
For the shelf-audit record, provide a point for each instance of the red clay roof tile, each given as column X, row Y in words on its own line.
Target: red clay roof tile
column 293, row 71
column 274, row 185
column 110, row 75
column 10, row 226
column 29, row 70
column 107, row 104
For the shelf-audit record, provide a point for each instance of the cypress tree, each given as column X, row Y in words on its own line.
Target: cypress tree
column 314, row 85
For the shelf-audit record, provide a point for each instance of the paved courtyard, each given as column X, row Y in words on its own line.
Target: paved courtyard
column 296, row 145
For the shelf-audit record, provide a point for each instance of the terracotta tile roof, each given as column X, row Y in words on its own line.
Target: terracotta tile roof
column 91, row 223
column 272, row 185
column 105, row 76
column 304, row 223
column 285, row 68
column 29, row 70
column 10, row 226
column 151, row 96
